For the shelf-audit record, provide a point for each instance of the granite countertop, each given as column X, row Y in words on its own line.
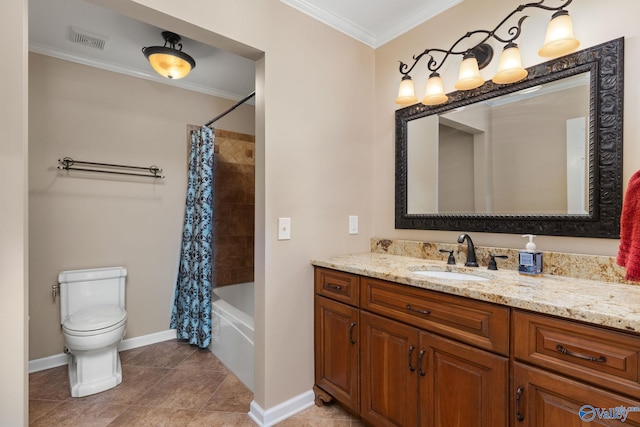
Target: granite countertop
column 614, row 305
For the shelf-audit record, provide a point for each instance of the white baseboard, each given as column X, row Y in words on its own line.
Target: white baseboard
column 48, row 362
column 135, row 342
column 282, row 411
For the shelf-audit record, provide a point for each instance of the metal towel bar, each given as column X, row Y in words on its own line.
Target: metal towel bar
column 69, row 164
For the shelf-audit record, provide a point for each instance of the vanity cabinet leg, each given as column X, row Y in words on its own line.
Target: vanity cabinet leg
column 322, row 397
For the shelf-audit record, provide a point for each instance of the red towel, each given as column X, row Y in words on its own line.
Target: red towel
column 629, row 250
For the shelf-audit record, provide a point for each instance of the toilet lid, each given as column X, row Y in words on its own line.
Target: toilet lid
column 95, row 318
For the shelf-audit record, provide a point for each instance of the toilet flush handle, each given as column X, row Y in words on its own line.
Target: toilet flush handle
column 54, row 291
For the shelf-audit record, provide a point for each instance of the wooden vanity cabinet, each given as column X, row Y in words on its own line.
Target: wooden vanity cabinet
column 414, row 370
column 400, row 355
column 336, row 338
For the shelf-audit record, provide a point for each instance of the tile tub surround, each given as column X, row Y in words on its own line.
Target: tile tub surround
column 592, row 267
column 234, row 207
column 614, row 305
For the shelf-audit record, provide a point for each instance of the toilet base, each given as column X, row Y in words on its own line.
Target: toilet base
column 95, row 371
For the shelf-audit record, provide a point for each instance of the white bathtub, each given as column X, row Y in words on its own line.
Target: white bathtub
column 232, row 337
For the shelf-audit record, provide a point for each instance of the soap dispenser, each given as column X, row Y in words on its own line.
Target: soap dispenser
column 530, row 259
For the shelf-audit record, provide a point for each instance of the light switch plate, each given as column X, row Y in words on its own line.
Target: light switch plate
column 353, row 224
column 284, row 228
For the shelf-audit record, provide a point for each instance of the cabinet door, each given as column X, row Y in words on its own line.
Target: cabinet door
column 543, row 399
column 460, row 385
column 389, row 387
column 336, row 350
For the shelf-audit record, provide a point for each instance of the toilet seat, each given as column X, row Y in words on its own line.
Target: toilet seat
column 95, row 320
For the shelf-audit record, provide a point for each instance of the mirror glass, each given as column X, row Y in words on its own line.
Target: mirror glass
column 542, row 156
column 520, row 153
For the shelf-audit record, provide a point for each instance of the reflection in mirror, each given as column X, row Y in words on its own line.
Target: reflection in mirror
column 541, row 156
column 521, row 153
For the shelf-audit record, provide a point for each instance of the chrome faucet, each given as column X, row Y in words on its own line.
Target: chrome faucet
column 471, row 250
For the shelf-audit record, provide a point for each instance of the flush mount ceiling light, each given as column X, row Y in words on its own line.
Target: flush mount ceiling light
column 559, row 41
column 168, row 61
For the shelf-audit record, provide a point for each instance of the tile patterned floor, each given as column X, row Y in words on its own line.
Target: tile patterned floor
column 164, row 384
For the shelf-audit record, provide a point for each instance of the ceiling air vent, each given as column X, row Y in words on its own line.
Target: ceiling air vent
column 87, row 38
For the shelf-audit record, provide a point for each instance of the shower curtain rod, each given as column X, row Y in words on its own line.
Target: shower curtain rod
column 239, row 103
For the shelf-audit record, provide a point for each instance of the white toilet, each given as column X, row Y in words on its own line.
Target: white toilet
column 93, row 318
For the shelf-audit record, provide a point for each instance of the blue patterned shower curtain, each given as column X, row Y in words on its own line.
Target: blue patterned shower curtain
column 191, row 312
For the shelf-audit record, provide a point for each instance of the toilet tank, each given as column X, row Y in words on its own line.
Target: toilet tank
column 91, row 287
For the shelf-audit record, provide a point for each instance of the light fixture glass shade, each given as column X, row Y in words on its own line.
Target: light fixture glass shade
column 169, row 63
column 406, row 92
column 560, row 39
column 510, row 69
column 469, row 76
column 434, row 94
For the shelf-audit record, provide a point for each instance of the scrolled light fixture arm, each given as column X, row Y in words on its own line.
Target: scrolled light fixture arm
column 481, row 51
column 434, row 66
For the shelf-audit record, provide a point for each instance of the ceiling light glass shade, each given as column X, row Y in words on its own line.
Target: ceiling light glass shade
column 469, row 76
column 434, row 94
column 168, row 61
column 560, row 39
column 510, row 69
column 407, row 92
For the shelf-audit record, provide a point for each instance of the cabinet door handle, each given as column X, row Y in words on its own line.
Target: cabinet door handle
column 353, row 324
column 411, row 348
column 420, row 370
column 334, row 287
column 519, row 392
column 563, row 350
column 416, row 310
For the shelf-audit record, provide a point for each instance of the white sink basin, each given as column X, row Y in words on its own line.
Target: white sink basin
column 451, row 275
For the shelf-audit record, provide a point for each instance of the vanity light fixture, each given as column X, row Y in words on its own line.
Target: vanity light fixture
column 559, row 41
column 168, row 61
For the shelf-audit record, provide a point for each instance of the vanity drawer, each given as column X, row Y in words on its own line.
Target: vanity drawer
column 478, row 323
column 601, row 356
column 337, row 285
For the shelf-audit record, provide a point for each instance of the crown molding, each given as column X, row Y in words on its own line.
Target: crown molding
column 336, row 22
column 432, row 9
column 365, row 36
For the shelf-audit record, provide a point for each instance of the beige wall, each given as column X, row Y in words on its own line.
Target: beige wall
column 13, row 216
column 314, row 115
column 87, row 220
column 594, row 22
